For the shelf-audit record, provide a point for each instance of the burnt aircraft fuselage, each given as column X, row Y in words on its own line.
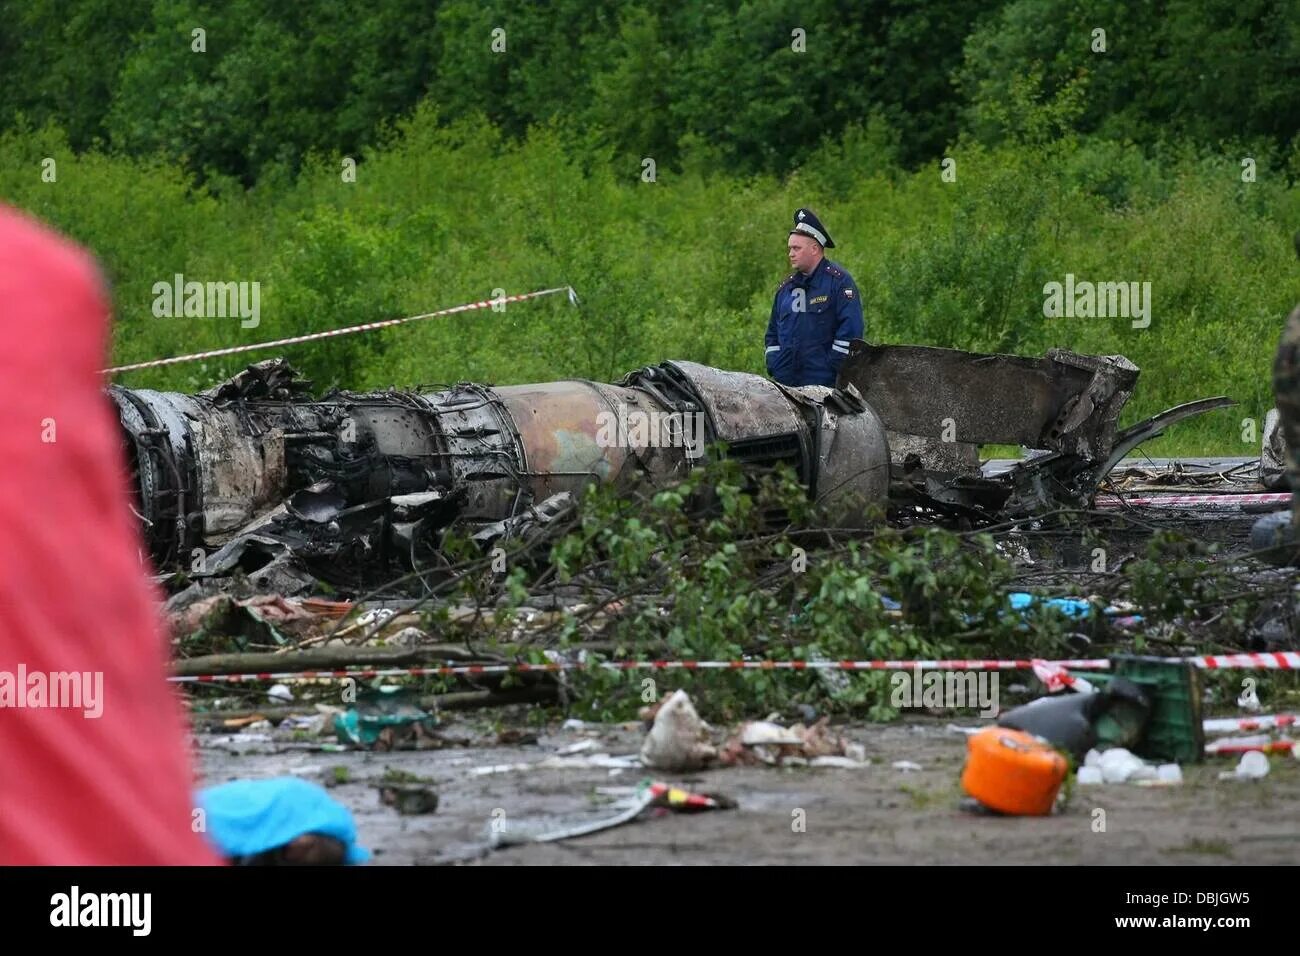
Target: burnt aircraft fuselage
column 345, row 478
column 365, row 473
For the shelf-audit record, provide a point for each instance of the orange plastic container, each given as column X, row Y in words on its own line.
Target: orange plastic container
column 1013, row 772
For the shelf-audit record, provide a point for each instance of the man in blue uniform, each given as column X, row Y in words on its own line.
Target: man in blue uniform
column 816, row 313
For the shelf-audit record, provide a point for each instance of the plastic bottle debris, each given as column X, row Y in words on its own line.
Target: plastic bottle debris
column 842, row 763
column 579, row 747
column 1253, row 766
column 1120, row 766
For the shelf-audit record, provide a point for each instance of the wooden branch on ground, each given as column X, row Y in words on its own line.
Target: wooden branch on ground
column 328, row 658
column 460, row 700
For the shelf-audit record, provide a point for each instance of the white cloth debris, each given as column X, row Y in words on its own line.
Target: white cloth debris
column 679, row 738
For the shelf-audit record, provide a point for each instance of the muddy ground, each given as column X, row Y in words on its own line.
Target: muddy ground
column 875, row 815
column 879, row 814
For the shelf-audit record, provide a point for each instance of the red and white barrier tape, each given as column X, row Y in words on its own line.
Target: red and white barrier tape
column 1223, row 725
column 1220, row 748
column 526, row 668
column 1195, row 501
column 330, row 333
column 1057, row 678
column 1278, row 660
column 1284, row 660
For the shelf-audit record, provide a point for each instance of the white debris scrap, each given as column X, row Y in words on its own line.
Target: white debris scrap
column 679, row 739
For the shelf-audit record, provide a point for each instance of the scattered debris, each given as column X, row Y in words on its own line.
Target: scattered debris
column 1253, row 766
column 1012, row 772
column 840, row 763
column 679, row 739
column 1149, row 705
column 764, row 742
column 906, row 765
column 679, row 800
column 1118, row 765
column 650, row 794
column 1070, row 721
column 578, row 747
column 386, row 720
column 409, row 799
column 601, row 761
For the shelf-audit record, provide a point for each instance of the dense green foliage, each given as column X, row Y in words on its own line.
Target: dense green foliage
column 523, row 169
column 736, row 82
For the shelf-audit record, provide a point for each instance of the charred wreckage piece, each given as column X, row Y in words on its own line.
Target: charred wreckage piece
column 256, row 475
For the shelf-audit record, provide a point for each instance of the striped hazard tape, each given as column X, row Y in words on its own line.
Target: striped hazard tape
column 1279, row 660
column 1222, row 747
column 349, row 330
column 1226, row 725
column 527, row 668
column 1286, row 660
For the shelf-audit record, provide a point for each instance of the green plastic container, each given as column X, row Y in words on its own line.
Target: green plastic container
column 1175, row 731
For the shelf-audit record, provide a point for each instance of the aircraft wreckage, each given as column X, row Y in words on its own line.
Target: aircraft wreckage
column 257, row 475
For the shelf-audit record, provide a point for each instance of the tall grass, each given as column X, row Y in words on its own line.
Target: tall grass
column 685, row 266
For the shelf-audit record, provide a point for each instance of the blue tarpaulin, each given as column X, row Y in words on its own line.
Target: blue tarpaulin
column 246, row 817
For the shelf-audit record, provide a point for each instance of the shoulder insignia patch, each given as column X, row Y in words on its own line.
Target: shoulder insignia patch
column 837, row 273
column 848, row 293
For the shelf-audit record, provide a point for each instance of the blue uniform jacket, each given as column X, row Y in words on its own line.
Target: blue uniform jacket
column 813, row 320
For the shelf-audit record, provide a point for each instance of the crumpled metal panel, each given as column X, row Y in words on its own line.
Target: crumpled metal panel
column 740, row 406
column 1063, row 402
column 238, row 478
column 852, row 463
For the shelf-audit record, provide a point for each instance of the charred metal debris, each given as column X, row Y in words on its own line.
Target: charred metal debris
column 257, row 476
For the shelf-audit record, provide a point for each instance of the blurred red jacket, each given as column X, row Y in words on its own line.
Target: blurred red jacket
column 104, row 779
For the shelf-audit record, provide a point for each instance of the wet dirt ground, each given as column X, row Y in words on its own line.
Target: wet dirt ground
column 874, row 815
column 785, row 815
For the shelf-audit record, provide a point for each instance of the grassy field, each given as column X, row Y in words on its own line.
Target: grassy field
column 685, row 266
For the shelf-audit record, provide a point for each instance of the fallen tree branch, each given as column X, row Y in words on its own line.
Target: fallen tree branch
column 459, row 700
column 327, row 658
